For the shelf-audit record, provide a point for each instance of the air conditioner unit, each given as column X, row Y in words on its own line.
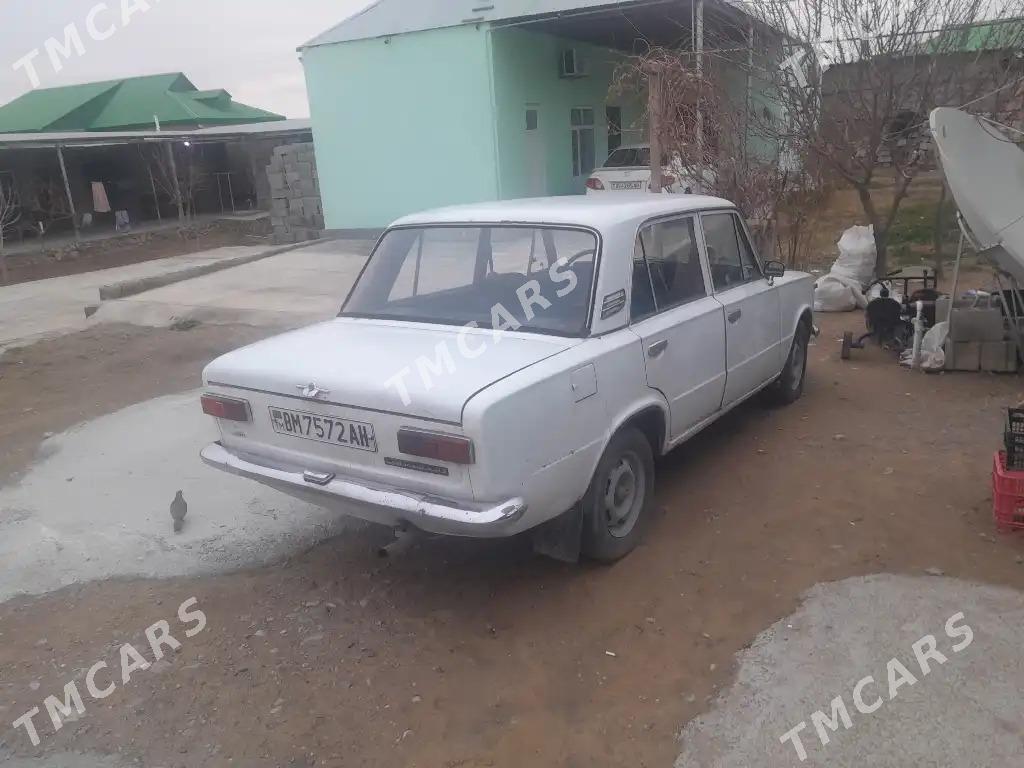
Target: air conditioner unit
column 571, row 64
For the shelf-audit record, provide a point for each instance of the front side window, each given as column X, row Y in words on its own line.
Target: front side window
column 503, row 277
column 730, row 257
column 584, row 152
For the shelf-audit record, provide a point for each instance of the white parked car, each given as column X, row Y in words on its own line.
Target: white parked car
column 518, row 365
column 628, row 169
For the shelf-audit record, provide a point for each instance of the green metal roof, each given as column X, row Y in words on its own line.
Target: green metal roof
column 118, row 105
column 983, row 36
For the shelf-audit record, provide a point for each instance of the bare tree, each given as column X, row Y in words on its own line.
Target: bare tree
column 860, row 77
column 707, row 138
column 10, row 212
column 178, row 176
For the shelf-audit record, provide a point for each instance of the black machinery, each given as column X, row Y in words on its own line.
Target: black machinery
column 890, row 321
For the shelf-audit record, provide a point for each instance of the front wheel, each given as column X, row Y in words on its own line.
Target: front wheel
column 617, row 503
column 790, row 384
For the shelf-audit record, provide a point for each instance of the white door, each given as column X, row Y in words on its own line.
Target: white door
column 753, row 325
column 681, row 325
column 536, row 160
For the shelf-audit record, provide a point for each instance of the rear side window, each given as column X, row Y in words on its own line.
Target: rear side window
column 670, row 248
column 730, row 257
column 629, row 158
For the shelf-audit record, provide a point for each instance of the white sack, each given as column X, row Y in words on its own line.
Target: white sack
column 857, row 256
column 833, row 293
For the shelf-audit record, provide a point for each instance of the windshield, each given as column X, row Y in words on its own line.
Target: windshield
column 503, row 277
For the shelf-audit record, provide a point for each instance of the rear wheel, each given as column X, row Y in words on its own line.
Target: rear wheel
column 617, row 503
column 790, row 384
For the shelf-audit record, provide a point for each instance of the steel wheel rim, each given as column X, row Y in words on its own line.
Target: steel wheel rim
column 623, row 495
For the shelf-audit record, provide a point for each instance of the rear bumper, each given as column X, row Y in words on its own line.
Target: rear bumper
column 387, row 506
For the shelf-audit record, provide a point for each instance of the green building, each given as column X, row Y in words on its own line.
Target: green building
column 420, row 104
column 134, row 103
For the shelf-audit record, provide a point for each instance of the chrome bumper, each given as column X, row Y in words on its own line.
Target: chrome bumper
column 383, row 505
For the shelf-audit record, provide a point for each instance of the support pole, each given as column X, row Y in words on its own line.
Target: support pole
column 654, row 84
column 699, row 49
column 67, row 191
column 749, row 93
column 174, row 182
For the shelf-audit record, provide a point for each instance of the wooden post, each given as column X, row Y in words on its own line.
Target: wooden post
column 174, row 181
column 654, row 83
column 67, row 191
column 699, row 50
column 749, row 93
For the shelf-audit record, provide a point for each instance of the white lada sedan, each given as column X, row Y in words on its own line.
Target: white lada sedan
column 518, row 365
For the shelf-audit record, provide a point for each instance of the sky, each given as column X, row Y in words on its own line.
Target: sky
column 244, row 46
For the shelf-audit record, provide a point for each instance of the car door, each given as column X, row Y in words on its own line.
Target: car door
column 681, row 324
column 752, row 311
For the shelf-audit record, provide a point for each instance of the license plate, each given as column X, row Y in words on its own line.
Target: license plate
column 323, row 429
column 627, row 185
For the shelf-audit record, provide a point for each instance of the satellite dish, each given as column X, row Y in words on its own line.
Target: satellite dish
column 985, row 172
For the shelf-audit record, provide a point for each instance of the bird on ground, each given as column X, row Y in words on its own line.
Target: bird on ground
column 178, row 511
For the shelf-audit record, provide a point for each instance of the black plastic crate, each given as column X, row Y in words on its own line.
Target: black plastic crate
column 1015, row 421
column 1015, row 461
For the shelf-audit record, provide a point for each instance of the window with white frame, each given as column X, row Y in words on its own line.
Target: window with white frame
column 584, row 152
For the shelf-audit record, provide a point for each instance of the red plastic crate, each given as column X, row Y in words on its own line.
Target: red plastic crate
column 1007, row 494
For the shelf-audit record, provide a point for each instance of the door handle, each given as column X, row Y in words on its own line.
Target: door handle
column 735, row 315
column 657, row 349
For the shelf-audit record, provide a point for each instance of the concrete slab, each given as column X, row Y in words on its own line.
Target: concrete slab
column 288, row 290
column 96, row 506
column 964, row 712
column 47, row 308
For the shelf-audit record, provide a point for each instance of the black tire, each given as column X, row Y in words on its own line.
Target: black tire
column 610, row 532
column 844, row 352
column 790, row 384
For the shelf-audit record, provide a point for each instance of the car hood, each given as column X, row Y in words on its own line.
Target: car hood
column 414, row 369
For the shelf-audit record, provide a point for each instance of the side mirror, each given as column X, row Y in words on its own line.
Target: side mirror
column 774, row 269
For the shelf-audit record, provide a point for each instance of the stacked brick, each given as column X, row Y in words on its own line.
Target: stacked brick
column 296, row 212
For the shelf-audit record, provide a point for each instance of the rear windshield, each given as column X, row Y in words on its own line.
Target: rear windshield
column 503, row 277
column 629, row 158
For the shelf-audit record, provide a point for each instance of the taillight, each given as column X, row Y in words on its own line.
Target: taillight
column 226, row 408
column 666, row 181
column 431, row 445
column 595, row 183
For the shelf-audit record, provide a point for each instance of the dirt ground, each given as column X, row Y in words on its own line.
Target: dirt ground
column 469, row 654
column 25, row 267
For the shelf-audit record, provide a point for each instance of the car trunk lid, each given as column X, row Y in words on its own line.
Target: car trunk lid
column 412, row 369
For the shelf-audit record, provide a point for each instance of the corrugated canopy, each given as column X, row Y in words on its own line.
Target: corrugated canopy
column 395, row 17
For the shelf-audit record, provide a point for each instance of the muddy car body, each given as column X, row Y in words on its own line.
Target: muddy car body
column 498, row 365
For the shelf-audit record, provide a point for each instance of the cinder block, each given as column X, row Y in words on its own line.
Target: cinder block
column 301, row 234
column 963, row 355
column 292, row 179
column 311, row 205
column 308, row 188
column 976, row 325
column 296, row 207
column 276, row 180
column 999, row 356
column 279, row 207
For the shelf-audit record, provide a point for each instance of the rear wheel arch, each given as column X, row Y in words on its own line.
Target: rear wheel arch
column 652, row 422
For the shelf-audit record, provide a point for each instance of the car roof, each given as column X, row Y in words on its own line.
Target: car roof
column 630, row 146
column 595, row 211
